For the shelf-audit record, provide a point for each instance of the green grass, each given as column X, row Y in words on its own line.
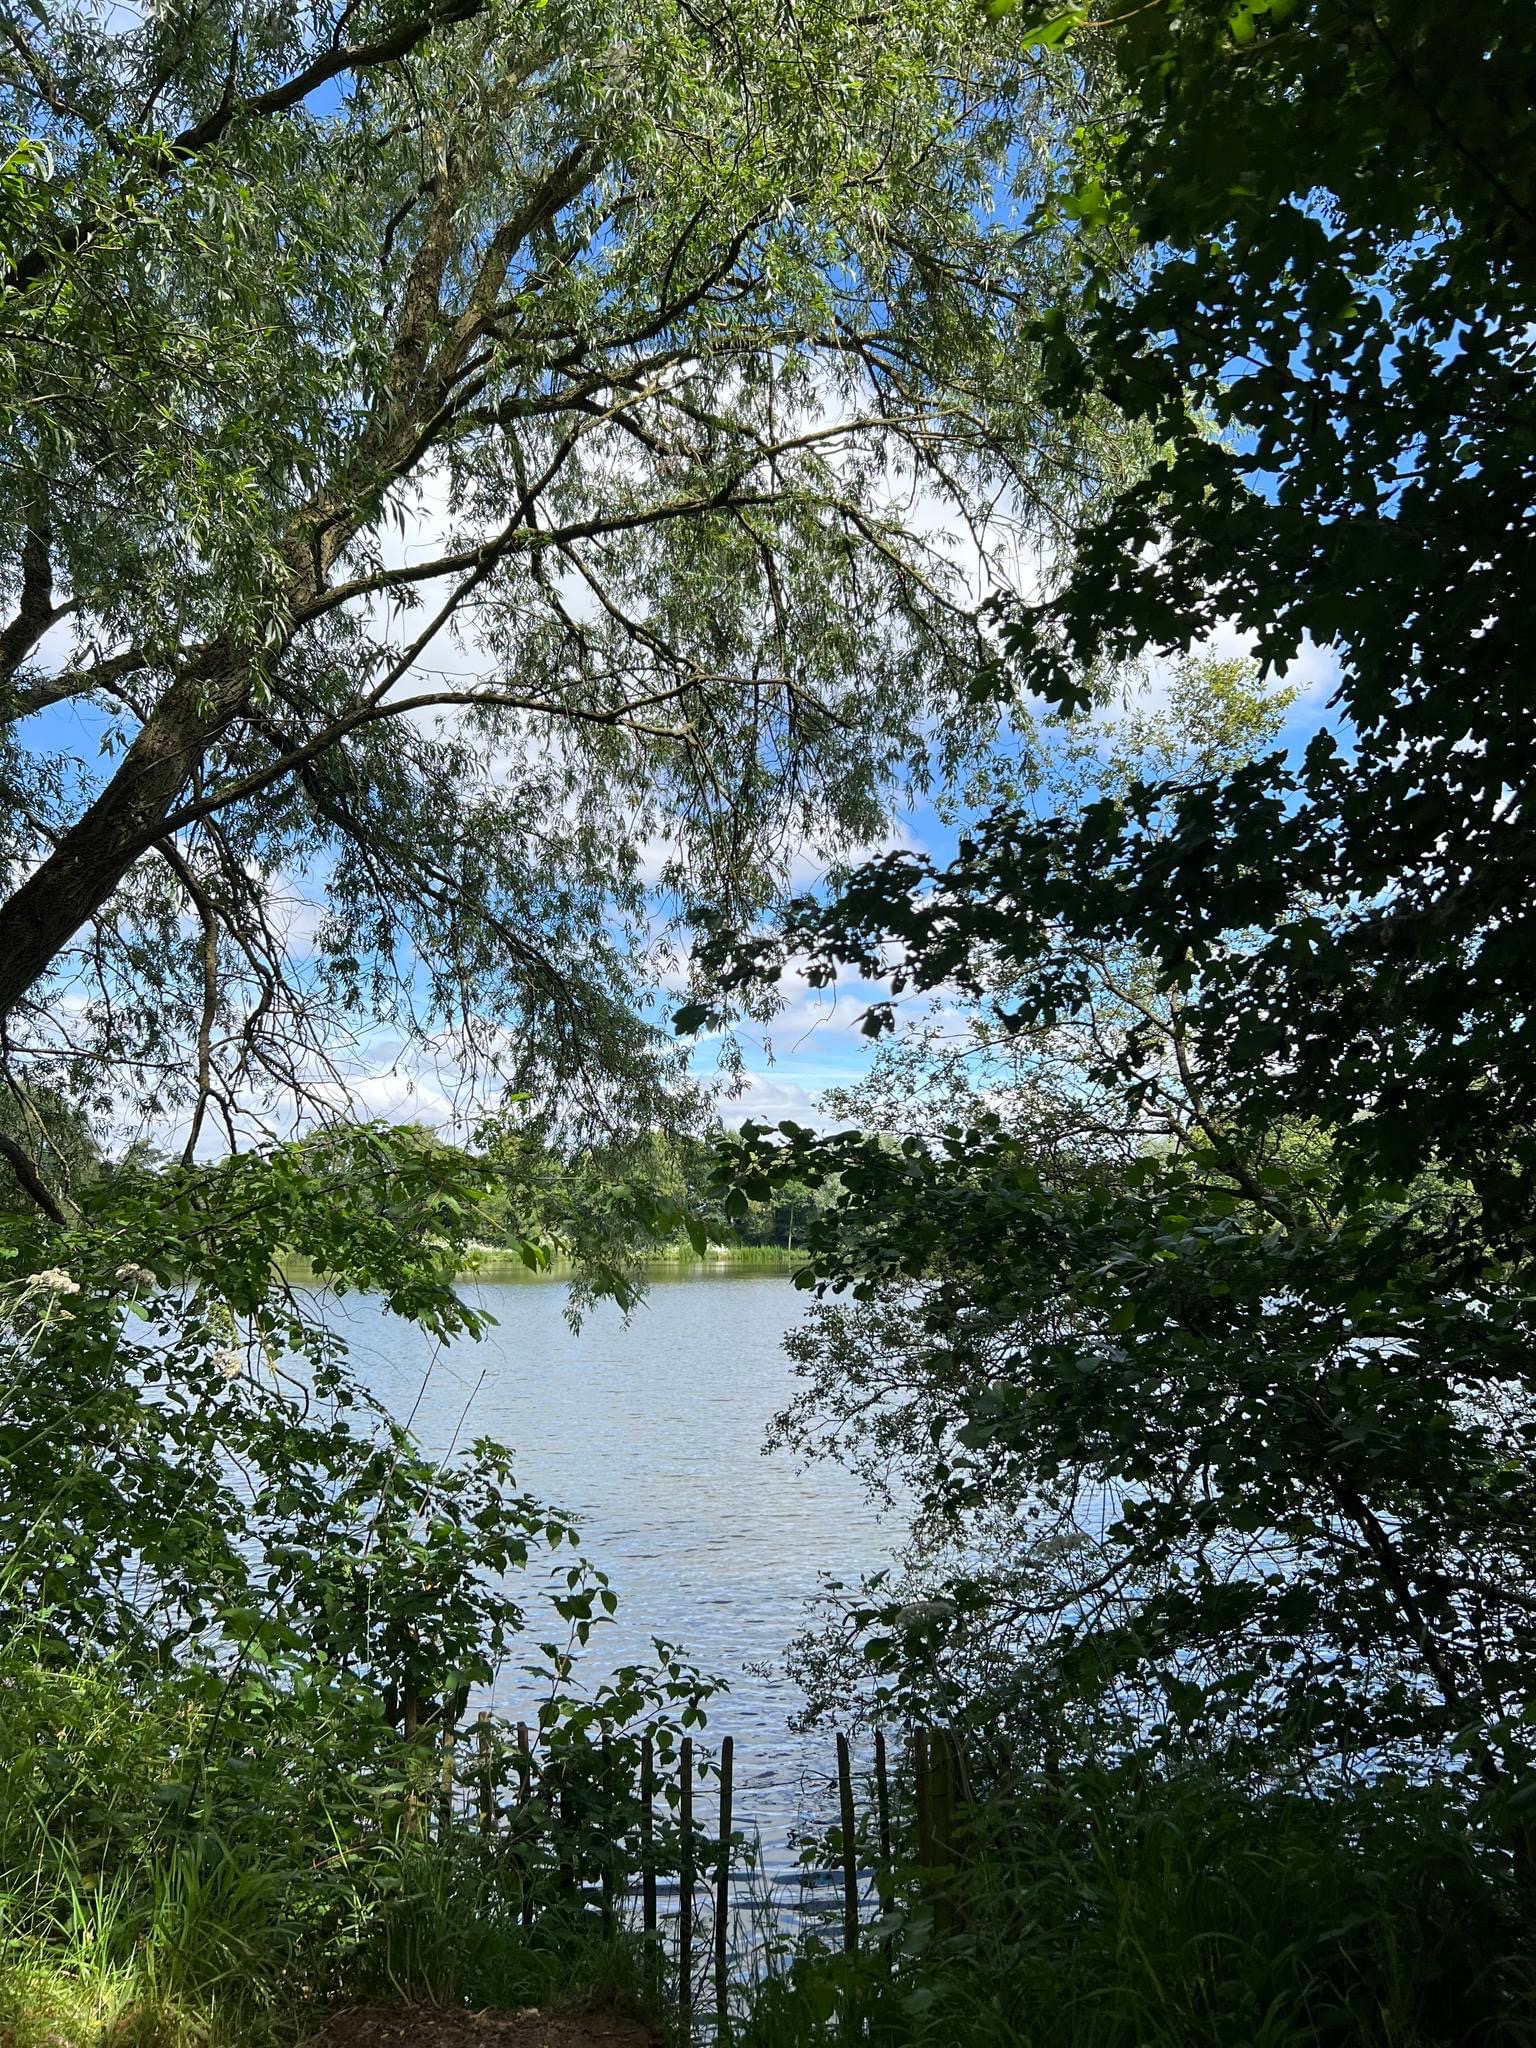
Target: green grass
column 167, row 1880
column 210, row 1947
column 1140, row 1915
column 167, row 1883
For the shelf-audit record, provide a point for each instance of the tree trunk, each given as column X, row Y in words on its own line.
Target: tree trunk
column 67, row 889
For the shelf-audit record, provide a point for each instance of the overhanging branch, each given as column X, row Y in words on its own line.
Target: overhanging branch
column 31, row 1181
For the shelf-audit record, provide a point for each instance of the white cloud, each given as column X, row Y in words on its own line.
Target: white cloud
column 771, row 1099
column 400, row 1096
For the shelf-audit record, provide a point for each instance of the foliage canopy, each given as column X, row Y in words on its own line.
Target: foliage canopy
column 484, row 471
column 1255, row 1387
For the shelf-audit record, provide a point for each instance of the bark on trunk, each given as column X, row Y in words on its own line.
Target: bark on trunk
column 78, row 877
column 38, row 921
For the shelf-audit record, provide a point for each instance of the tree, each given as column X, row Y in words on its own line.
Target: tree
column 475, row 476
column 484, row 469
column 1287, row 1353
column 1346, row 303
column 1340, row 216
column 879, row 1391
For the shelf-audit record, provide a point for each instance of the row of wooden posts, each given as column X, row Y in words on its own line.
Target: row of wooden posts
column 938, row 1782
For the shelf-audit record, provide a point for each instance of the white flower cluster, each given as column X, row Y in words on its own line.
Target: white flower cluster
column 52, row 1280
column 924, row 1610
column 136, row 1277
column 230, row 1361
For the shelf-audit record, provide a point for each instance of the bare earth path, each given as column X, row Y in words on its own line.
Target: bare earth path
column 430, row 2026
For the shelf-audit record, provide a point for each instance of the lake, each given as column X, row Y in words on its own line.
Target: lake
column 652, row 1432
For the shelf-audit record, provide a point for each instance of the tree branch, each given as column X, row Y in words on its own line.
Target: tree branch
column 36, row 611
column 207, row 918
column 23, row 699
column 32, row 1182
column 192, row 142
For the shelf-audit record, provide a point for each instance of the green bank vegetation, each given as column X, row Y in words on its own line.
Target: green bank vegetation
column 480, row 475
column 496, row 1262
column 601, row 1217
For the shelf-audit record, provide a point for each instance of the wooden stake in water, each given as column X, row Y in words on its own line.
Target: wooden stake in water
column 685, row 1890
column 610, row 1830
column 647, row 1835
column 723, row 1890
column 567, row 1830
column 883, row 1812
column 446, row 1783
column 487, row 1780
column 524, row 1792
column 850, row 1858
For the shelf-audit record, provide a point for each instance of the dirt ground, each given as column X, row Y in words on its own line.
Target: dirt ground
column 429, row 2026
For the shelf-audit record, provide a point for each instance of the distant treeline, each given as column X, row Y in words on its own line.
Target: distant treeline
column 656, row 1193
column 648, row 1198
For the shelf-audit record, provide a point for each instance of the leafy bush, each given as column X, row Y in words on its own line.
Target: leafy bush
column 240, row 1604
column 1120, row 1909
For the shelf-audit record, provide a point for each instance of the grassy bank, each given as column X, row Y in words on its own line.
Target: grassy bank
column 1120, row 1914
column 179, row 1870
column 679, row 1257
column 495, row 1262
column 1121, row 1910
column 195, row 1973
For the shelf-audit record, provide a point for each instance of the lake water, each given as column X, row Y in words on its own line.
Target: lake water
column 652, row 1433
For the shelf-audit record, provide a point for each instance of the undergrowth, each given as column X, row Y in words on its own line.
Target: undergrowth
column 174, row 1878
column 180, row 1872
column 1120, row 1911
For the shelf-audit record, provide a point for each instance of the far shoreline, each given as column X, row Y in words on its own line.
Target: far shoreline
column 498, row 1262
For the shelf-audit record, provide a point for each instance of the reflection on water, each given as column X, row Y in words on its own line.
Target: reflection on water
column 652, row 1434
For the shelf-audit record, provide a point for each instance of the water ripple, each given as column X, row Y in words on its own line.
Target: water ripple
column 652, row 1433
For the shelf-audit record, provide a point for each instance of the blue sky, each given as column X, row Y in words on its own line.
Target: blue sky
column 816, row 1043
column 813, row 1044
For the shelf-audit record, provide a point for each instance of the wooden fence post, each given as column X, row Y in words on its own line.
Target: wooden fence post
column 610, row 1815
column 933, row 1759
column 944, row 1798
column 446, row 1783
column 567, row 1877
column 924, row 1798
column 487, row 1781
column 524, row 1794
column 850, row 1855
column 647, row 1835
column 723, row 1891
column 685, row 1890
column 883, row 1811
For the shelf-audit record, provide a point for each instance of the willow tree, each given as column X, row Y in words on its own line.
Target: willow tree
column 480, row 469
